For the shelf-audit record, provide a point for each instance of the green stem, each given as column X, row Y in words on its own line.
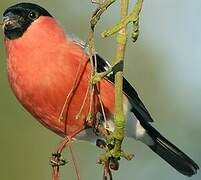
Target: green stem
column 99, row 11
column 132, row 17
column 119, row 118
column 116, row 138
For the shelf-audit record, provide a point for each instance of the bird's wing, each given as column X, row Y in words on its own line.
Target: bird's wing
column 138, row 107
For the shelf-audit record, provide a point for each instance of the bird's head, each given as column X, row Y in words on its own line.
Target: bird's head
column 18, row 18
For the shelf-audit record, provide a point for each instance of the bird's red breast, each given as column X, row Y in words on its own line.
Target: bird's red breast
column 42, row 66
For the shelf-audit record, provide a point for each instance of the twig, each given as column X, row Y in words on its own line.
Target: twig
column 106, row 171
column 119, row 118
column 70, row 93
column 83, row 103
column 77, row 171
column 115, row 139
column 103, row 111
column 57, row 158
column 99, row 11
column 93, row 71
column 132, row 17
column 117, row 136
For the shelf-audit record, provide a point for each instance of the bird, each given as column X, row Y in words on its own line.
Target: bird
column 43, row 64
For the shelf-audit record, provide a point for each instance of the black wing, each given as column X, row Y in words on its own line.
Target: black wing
column 138, row 107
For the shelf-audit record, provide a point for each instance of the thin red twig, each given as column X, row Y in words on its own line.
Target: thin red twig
column 106, row 171
column 75, row 164
column 59, row 150
column 74, row 86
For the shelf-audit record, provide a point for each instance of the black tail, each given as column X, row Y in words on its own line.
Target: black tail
column 171, row 154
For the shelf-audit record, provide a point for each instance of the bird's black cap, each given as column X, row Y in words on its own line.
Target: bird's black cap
column 27, row 7
column 18, row 18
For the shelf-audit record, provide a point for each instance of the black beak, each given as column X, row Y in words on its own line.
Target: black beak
column 11, row 21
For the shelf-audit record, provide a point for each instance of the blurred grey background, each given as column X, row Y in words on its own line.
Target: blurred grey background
column 164, row 66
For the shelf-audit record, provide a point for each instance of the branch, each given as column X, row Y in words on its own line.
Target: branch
column 119, row 118
column 114, row 140
column 132, row 17
column 99, row 11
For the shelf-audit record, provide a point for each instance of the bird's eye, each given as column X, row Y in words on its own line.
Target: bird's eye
column 33, row 15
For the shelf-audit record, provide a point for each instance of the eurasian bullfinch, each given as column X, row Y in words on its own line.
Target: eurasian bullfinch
column 43, row 63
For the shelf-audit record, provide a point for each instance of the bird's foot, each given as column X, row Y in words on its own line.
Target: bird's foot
column 57, row 160
column 112, row 155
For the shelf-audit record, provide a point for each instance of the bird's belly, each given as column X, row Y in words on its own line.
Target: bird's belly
column 43, row 94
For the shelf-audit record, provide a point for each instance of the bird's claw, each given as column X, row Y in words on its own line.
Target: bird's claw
column 57, row 160
column 111, row 155
column 101, row 143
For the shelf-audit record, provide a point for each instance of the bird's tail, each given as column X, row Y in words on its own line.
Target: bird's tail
column 171, row 154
